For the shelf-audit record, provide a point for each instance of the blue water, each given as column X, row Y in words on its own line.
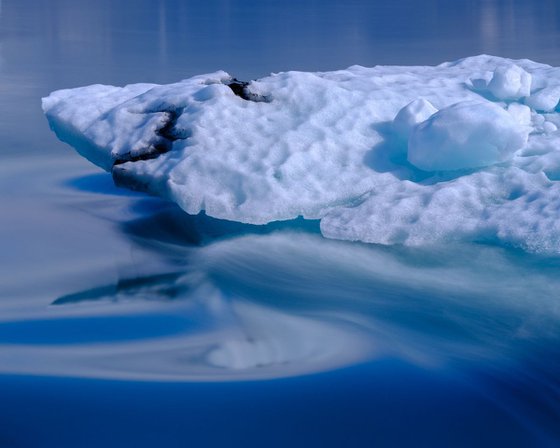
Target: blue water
column 125, row 322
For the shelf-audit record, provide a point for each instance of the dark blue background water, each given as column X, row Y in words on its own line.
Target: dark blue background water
column 123, row 322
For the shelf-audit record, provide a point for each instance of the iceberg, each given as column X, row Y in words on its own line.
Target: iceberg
column 463, row 151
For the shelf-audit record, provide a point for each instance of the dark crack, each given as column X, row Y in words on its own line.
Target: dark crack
column 170, row 131
column 241, row 89
column 150, row 153
column 165, row 136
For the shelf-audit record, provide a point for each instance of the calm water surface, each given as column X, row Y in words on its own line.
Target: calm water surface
column 125, row 322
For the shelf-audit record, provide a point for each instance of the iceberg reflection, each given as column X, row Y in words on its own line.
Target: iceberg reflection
column 288, row 303
column 222, row 338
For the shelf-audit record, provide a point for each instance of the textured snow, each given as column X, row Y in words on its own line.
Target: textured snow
column 544, row 100
column 467, row 150
column 411, row 115
column 510, row 82
column 469, row 134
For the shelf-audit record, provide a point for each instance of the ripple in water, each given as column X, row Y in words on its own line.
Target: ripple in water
column 258, row 306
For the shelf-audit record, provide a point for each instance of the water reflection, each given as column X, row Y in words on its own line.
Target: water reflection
column 280, row 300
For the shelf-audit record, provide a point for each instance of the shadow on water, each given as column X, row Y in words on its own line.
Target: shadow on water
column 98, row 183
column 167, row 223
column 160, row 221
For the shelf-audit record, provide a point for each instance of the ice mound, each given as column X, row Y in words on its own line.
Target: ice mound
column 545, row 100
column 469, row 134
column 411, row 115
column 467, row 150
column 510, row 82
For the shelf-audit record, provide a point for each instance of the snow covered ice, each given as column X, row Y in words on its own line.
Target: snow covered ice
column 468, row 134
column 468, row 150
column 510, row 82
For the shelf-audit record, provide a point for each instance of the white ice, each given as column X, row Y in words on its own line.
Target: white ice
column 510, row 82
column 467, row 150
column 468, row 134
column 411, row 115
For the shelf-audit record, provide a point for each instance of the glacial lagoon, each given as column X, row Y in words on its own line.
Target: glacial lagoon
column 124, row 321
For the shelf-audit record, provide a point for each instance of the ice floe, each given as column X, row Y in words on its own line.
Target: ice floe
column 467, row 150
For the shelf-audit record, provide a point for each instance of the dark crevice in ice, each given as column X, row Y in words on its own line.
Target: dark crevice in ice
column 169, row 130
column 241, row 89
column 167, row 134
column 150, row 153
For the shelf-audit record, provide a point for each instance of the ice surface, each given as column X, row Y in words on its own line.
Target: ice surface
column 521, row 114
column 544, row 100
column 361, row 149
column 411, row 115
column 469, row 134
column 510, row 82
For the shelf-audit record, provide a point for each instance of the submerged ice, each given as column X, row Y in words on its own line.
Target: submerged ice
column 467, row 150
